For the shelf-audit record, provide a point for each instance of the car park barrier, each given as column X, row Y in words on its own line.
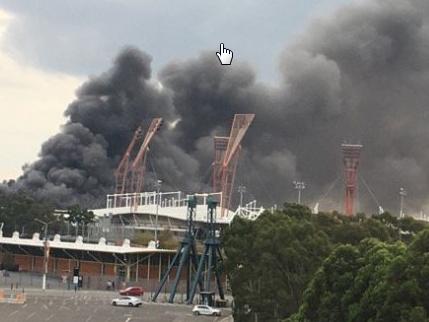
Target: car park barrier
column 18, row 298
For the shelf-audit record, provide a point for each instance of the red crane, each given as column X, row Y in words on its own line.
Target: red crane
column 130, row 172
column 139, row 164
column 227, row 150
column 122, row 171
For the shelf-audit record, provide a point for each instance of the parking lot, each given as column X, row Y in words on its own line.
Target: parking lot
column 87, row 306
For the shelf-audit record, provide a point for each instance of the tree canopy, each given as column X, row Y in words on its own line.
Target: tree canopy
column 324, row 267
column 19, row 210
column 373, row 281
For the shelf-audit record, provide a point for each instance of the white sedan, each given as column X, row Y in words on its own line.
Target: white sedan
column 205, row 310
column 127, row 301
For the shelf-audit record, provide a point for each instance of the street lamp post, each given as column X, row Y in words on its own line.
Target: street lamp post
column 241, row 190
column 299, row 185
column 158, row 188
column 403, row 194
column 45, row 250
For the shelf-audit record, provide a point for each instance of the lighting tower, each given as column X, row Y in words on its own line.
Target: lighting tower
column 351, row 156
column 211, row 259
column 300, row 186
column 185, row 256
column 227, row 150
column 402, row 194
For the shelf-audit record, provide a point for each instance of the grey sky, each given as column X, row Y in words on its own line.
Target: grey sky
column 359, row 73
column 81, row 37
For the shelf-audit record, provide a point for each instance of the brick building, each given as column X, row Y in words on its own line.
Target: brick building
column 123, row 262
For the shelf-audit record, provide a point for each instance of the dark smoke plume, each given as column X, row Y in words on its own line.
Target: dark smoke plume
column 358, row 75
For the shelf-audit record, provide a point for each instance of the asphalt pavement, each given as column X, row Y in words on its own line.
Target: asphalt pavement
column 93, row 306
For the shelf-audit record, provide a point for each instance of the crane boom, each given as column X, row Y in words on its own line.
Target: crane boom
column 227, row 150
column 139, row 164
column 122, row 171
column 131, row 169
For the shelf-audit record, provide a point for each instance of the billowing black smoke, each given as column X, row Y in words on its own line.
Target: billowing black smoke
column 359, row 75
column 77, row 164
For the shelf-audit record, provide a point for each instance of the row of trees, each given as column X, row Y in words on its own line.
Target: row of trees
column 19, row 211
column 272, row 262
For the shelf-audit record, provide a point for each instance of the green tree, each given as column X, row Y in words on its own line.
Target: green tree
column 350, row 285
column 373, row 281
column 270, row 260
column 407, row 283
column 18, row 211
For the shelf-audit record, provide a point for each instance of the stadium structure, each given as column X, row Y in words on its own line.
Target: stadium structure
column 131, row 207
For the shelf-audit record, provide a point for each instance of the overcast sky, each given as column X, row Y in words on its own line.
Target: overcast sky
column 47, row 48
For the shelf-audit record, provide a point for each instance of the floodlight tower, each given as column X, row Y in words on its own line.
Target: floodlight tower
column 300, row 186
column 211, row 259
column 351, row 157
column 186, row 256
column 227, row 150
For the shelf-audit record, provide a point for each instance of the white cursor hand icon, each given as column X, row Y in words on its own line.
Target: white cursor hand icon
column 225, row 55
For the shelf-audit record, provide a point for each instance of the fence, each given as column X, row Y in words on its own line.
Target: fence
column 19, row 281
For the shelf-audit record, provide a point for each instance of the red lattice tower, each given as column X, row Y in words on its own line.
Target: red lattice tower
column 351, row 157
column 227, row 150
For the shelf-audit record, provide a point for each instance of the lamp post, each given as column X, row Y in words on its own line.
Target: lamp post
column 158, row 188
column 299, row 185
column 241, row 190
column 403, row 194
column 45, row 250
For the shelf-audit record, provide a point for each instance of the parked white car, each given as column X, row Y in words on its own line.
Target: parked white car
column 127, row 301
column 205, row 310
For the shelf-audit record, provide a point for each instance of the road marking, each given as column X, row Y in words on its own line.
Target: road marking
column 49, row 317
column 89, row 318
column 14, row 312
column 128, row 319
column 31, row 315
